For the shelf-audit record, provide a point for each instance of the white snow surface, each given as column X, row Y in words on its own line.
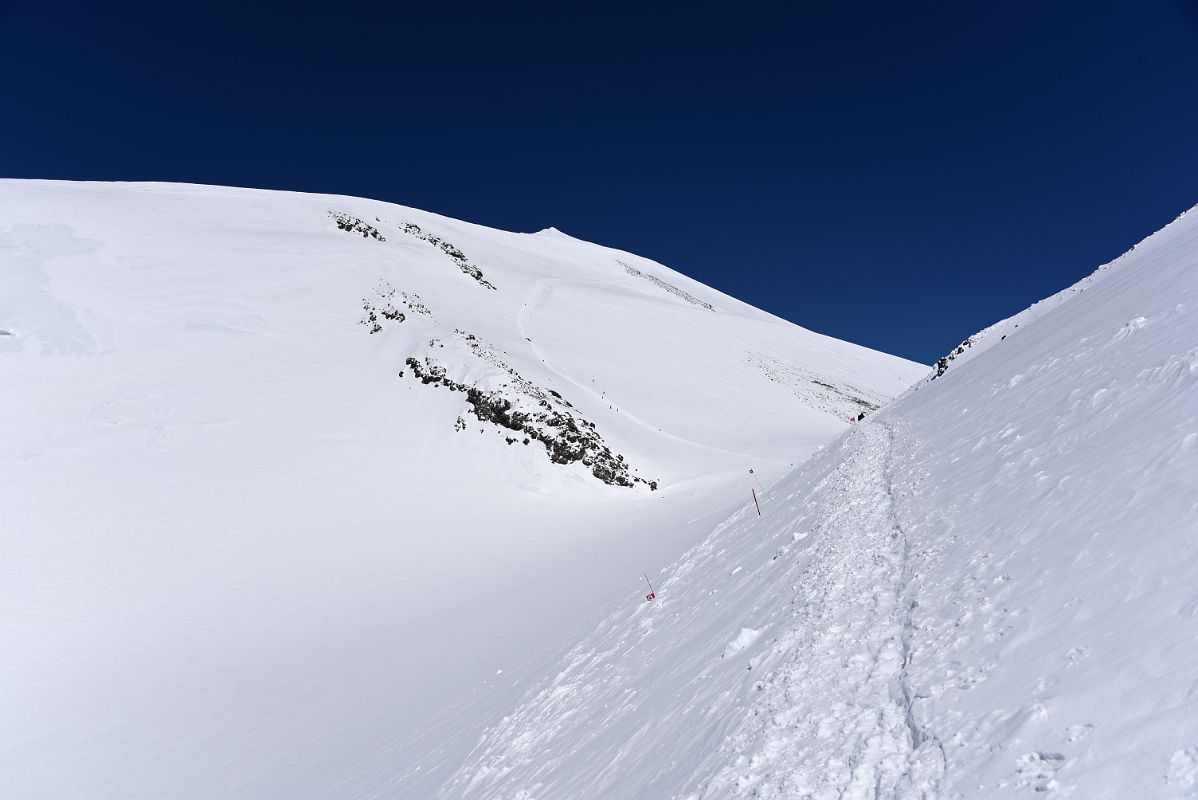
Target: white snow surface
column 243, row 557
column 987, row 590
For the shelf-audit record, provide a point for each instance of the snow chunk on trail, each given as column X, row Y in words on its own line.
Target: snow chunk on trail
column 744, row 639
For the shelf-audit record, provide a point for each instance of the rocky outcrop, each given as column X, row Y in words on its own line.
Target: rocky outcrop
column 351, row 224
column 455, row 255
column 537, row 414
column 943, row 362
column 518, row 405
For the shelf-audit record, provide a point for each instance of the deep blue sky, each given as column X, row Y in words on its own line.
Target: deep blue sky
column 894, row 174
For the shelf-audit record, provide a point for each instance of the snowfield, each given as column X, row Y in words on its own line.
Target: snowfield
column 319, row 497
column 988, row 589
column 299, row 493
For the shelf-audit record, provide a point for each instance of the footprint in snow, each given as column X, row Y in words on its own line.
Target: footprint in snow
column 1039, row 770
column 1076, row 655
column 1075, row 733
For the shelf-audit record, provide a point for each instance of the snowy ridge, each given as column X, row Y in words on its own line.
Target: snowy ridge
column 985, row 590
column 993, row 334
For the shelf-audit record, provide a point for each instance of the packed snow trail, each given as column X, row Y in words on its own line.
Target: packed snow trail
column 830, row 714
column 820, row 709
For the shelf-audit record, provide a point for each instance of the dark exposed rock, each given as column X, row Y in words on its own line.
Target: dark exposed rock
column 455, row 255
column 351, row 224
column 415, row 304
column 381, row 306
column 550, row 420
column 566, row 438
column 942, row 364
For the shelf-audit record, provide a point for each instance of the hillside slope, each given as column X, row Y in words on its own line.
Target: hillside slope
column 988, row 589
column 295, row 490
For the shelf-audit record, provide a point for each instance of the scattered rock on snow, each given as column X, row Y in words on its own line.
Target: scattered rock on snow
column 669, row 287
column 351, row 224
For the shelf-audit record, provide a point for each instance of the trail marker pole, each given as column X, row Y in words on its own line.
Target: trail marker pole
column 754, row 491
column 754, row 474
column 652, row 594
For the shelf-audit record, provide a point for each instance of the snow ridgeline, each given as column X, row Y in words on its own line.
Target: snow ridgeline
column 998, row 332
column 985, row 590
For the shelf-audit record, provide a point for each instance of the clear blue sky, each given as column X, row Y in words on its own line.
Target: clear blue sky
column 894, row 174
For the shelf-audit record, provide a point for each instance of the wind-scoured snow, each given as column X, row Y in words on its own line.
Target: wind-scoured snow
column 249, row 552
column 988, row 589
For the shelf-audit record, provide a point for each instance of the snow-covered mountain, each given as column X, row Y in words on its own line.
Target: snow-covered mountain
column 989, row 589
column 309, row 496
column 297, row 492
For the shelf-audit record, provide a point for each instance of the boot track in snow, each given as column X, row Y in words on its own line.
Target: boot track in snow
column 833, row 718
column 809, row 700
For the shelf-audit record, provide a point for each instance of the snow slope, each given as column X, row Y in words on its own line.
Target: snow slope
column 988, row 589
column 249, row 552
